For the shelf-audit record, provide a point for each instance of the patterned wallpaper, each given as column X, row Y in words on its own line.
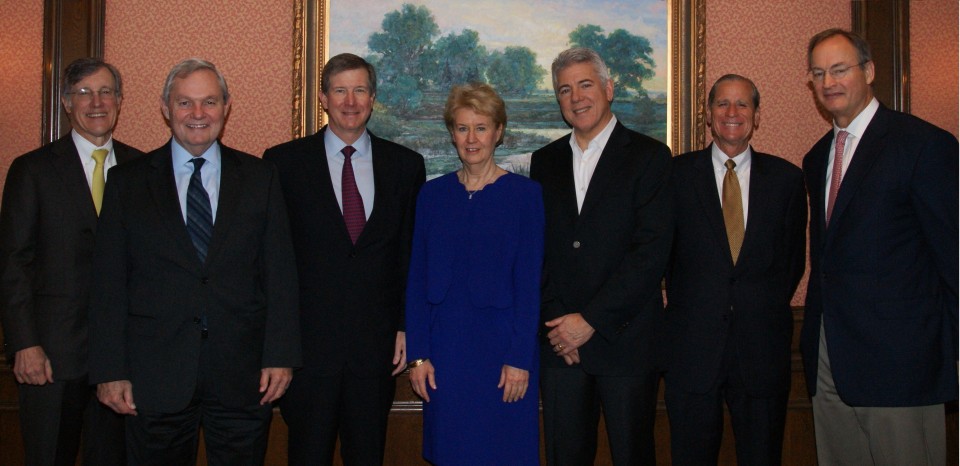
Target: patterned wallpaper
column 752, row 39
column 21, row 78
column 933, row 62
column 250, row 41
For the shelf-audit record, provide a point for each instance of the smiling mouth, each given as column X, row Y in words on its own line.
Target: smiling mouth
column 197, row 126
column 581, row 110
column 97, row 115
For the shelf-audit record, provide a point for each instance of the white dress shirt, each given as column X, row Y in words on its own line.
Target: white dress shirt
column 585, row 161
column 743, row 160
column 855, row 130
column 85, row 149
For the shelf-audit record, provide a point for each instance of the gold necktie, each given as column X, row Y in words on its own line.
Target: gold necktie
column 733, row 210
column 99, row 156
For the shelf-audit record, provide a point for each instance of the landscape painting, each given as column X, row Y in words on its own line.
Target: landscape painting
column 422, row 48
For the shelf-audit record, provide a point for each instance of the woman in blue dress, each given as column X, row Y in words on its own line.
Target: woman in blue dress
column 473, row 297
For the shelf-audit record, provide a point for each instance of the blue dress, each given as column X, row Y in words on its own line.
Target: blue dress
column 473, row 305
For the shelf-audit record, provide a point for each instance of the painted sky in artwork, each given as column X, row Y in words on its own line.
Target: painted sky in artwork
column 541, row 25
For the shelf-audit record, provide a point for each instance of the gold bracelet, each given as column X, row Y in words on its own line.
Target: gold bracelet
column 416, row 363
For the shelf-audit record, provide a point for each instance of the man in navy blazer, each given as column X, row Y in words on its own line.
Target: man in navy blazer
column 351, row 287
column 47, row 226
column 729, row 322
column 879, row 338
column 608, row 225
column 193, row 313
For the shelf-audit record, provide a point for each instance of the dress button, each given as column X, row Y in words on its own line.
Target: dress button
column 576, row 245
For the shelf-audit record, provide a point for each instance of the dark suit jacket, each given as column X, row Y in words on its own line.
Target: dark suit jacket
column 883, row 276
column 607, row 262
column 712, row 303
column 47, row 228
column 151, row 287
column 351, row 296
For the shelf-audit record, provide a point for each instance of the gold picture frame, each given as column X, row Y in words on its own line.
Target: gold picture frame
column 686, row 30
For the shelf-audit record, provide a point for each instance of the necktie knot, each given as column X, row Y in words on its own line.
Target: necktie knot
column 197, row 163
column 100, row 155
column 730, row 164
column 348, row 151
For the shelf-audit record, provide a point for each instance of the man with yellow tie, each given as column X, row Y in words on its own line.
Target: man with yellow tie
column 48, row 219
column 738, row 254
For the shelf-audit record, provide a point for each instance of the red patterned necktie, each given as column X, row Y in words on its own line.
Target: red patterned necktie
column 837, row 174
column 353, row 213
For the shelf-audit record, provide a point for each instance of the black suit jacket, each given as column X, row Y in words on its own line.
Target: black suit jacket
column 351, row 296
column 607, row 261
column 47, row 227
column 883, row 276
column 151, row 287
column 712, row 303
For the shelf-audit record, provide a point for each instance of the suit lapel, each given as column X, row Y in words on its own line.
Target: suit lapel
column 607, row 168
column 231, row 180
column 164, row 190
column 562, row 162
column 705, row 187
column 319, row 171
column 816, row 181
column 66, row 164
column 385, row 185
column 756, row 214
column 863, row 159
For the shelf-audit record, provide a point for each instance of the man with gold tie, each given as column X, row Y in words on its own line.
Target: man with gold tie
column 51, row 201
column 738, row 254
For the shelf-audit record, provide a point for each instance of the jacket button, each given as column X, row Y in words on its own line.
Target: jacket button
column 204, row 280
column 576, row 245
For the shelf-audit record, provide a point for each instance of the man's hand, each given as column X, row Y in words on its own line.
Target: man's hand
column 31, row 366
column 274, row 382
column 400, row 353
column 572, row 358
column 569, row 332
column 118, row 396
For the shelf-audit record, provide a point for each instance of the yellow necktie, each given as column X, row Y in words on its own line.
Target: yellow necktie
column 99, row 155
column 733, row 210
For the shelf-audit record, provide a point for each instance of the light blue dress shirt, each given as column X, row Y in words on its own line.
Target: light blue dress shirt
column 209, row 175
column 362, row 162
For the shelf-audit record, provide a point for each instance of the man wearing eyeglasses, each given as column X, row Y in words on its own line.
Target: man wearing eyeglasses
column 879, row 340
column 51, row 202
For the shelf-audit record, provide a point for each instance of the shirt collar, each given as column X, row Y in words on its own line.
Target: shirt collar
column 181, row 157
column 85, row 148
column 720, row 158
column 334, row 144
column 859, row 124
column 600, row 141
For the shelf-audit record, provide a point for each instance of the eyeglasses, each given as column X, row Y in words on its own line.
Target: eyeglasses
column 86, row 94
column 837, row 72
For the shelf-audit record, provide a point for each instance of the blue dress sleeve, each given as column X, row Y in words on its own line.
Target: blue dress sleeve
column 417, row 308
column 523, row 352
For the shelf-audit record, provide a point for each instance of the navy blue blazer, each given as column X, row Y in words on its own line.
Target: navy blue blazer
column 883, row 277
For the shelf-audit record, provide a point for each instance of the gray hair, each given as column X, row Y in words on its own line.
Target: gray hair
column 80, row 68
column 754, row 93
column 189, row 66
column 579, row 55
column 863, row 47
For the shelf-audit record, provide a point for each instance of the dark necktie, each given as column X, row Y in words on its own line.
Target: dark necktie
column 353, row 213
column 199, row 213
column 733, row 210
column 837, row 174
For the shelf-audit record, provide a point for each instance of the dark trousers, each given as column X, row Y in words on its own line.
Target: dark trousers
column 233, row 436
column 696, row 420
column 54, row 416
column 318, row 408
column 572, row 402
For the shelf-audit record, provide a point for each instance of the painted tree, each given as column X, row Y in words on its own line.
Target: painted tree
column 627, row 55
column 515, row 71
column 406, row 35
column 455, row 59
